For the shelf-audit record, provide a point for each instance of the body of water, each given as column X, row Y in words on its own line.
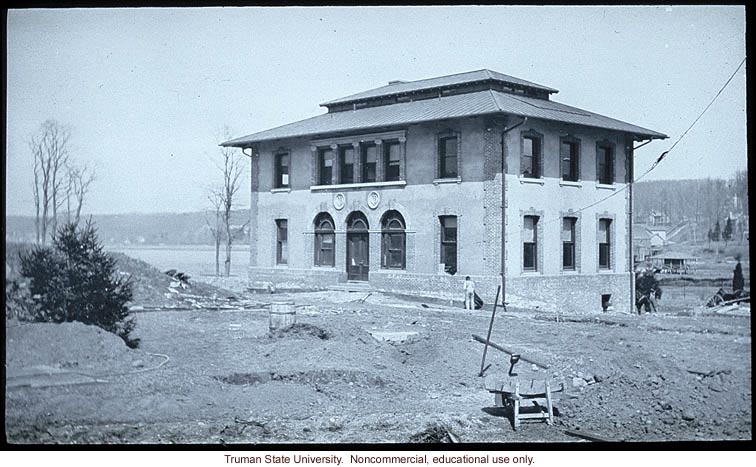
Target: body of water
column 195, row 260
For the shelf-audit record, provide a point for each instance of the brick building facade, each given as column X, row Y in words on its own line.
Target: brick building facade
column 401, row 186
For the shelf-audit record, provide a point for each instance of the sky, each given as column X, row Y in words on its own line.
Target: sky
column 147, row 92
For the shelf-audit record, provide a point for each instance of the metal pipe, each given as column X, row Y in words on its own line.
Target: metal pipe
column 503, row 208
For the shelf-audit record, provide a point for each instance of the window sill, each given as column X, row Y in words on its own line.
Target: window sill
column 393, row 271
column 441, row 181
column 535, row 181
column 324, row 268
column 531, row 272
column 282, row 266
column 281, row 190
column 358, row 185
column 577, row 184
column 605, row 271
column 604, row 186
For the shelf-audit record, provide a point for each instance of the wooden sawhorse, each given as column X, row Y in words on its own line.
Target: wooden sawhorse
column 514, row 393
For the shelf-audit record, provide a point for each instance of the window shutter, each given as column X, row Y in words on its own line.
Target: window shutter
column 612, row 165
column 598, row 164
column 539, row 154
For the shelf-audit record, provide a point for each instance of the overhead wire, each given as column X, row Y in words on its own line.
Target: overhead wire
column 665, row 153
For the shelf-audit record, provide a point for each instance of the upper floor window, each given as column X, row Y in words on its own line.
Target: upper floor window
column 282, row 170
column 568, row 243
column 325, row 165
column 282, row 241
column 393, row 243
column 346, row 160
column 530, row 243
column 570, row 156
column 391, row 158
column 605, row 163
column 604, row 243
column 447, row 157
column 531, row 161
column 369, row 162
column 449, row 243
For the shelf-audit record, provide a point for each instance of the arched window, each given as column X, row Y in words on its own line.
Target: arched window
column 393, row 241
column 325, row 240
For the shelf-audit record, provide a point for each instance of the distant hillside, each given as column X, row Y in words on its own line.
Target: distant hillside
column 188, row 228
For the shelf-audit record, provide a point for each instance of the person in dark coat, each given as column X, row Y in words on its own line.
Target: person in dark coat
column 738, row 283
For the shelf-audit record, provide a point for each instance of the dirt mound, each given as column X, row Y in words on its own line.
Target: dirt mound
column 155, row 288
column 433, row 434
column 300, row 330
column 63, row 345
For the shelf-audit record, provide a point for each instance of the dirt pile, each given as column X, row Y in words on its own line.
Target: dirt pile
column 66, row 345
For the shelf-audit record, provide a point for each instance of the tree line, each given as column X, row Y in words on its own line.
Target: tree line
column 708, row 203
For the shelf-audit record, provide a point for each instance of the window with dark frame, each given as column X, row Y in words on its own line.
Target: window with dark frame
column 530, row 243
column 282, row 237
column 324, row 241
column 447, row 157
column 605, row 164
column 393, row 241
column 391, row 157
column 604, row 243
column 531, row 156
column 282, row 170
column 449, row 243
column 570, row 155
column 568, row 243
column 369, row 155
column 325, row 166
column 346, row 160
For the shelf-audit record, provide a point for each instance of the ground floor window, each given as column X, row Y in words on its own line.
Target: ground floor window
column 282, row 241
column 568, row 243
column 393, row 241
column 449, row 243
column 604, row 244
column 325, row 240
column 530, row 243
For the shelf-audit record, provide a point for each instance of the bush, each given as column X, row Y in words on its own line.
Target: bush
column 75, row 280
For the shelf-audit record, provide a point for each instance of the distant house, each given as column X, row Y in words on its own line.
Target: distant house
column 658, row 218
column 673, row 263
column 647, row 241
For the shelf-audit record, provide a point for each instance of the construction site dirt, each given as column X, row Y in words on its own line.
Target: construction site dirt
column 375, row 369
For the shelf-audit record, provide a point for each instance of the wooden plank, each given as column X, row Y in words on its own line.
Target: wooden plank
column 509, row 351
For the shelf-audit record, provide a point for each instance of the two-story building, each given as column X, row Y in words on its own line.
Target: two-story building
column 401, row 186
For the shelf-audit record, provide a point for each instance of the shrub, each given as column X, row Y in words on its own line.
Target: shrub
column 75, row 280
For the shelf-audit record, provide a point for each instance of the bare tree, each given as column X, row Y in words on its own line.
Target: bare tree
column 216, row 225
column 79, row 179
column 232, row 166
column 50, row 150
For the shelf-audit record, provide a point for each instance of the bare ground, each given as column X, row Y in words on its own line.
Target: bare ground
column 220, row 377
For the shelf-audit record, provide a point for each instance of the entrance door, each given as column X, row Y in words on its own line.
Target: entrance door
column 358, row 259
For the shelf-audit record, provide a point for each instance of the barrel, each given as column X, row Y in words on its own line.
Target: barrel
column 282, row 314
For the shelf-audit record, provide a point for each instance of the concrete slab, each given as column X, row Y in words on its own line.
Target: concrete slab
column 394, row 336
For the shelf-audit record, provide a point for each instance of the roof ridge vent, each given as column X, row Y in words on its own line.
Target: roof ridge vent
column 396, row 81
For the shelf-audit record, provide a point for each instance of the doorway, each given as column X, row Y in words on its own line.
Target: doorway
column 357, row 257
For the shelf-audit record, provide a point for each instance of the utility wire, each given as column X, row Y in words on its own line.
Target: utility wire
column 665, row 153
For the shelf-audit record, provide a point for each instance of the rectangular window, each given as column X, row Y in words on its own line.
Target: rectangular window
column 325, row 165
column 568, row 243
column 531, row 157
column 604, row 243
column 282, row 170
column 346, row 159
column 530, row 243
column 605, row 164
column 449, row 243
column 369, row 162
column 324, row 249
column 282, row 236
column 570, row 157
column 391, row 161
column 447, row 148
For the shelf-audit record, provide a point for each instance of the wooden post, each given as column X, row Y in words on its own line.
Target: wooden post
column 488, row 337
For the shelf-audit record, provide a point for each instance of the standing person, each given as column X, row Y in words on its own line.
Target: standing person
column 469, row 287
column 738, row 282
